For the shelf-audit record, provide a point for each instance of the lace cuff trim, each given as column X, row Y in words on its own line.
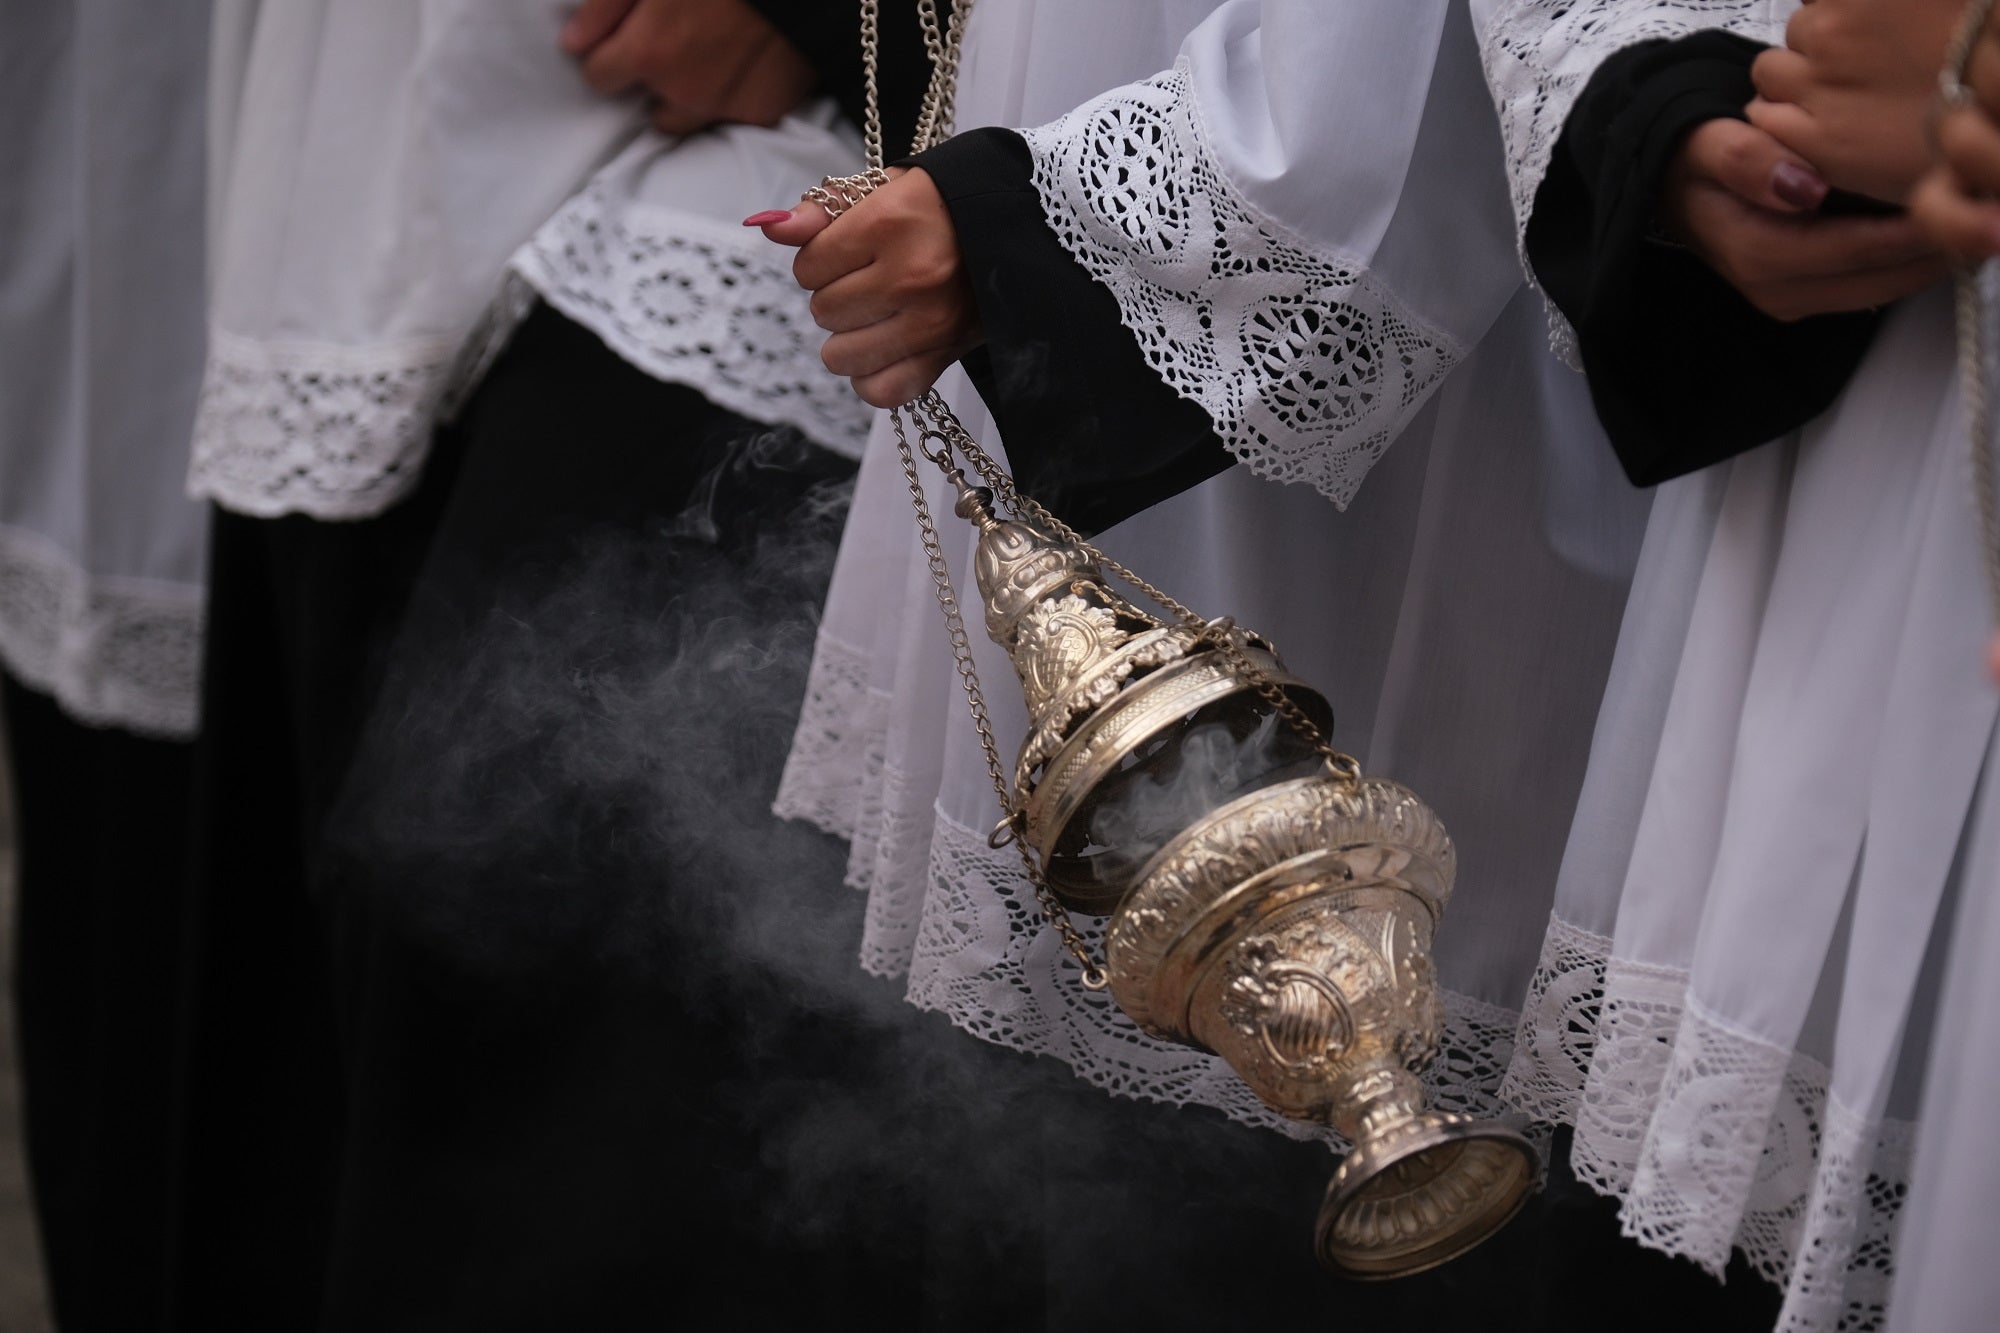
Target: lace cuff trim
column 1538, row 55
column 984, row 958
column 1711, row 1137
column 113, row 652
column 688, row 301
column 1306, row 365
column 313, row 428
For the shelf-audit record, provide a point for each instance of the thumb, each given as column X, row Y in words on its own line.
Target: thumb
column 795, row 227
column 1751, row 164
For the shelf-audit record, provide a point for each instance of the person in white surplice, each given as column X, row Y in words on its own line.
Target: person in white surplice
column 1293, row 249
column 1790, row 796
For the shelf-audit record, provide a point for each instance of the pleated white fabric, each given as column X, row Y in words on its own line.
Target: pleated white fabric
column 1460, row 612
column 1740, row 986
column 101, row 554
column 1741, row 978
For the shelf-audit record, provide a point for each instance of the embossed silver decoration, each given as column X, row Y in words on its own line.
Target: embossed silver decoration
column 1287, row 927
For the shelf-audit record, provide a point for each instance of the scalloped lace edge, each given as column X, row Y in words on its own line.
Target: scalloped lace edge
column 112, row 652
column 340, row 432
column 326, row 430
column 1307, row 365
column 689, row 301
column 1710, row 1137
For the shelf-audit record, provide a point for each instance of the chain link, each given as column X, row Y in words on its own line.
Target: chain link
column 1094, row 976
column 1220, row 634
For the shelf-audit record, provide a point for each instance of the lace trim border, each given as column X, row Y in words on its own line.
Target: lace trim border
column 823, row 772
column 330, row 431
column 688, row 301
column 112, row 652
column 1306, row 364
column 1710, row 1137
column 986, row 960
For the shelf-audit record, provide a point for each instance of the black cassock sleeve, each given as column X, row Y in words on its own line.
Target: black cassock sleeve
column 1684, row 371
column 828, row 34
column 1090, row 429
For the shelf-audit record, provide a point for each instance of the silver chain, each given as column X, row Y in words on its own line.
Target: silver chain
column 1974, row 361
column 940, row 434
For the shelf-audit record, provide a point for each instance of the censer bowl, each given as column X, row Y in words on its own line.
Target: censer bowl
column 1134, row 742
column 1289, row 932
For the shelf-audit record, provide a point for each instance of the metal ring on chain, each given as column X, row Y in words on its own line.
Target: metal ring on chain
column 837, row 194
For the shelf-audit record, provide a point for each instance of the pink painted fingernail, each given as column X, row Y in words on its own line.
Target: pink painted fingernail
column 1797, row 186
column 767, row 217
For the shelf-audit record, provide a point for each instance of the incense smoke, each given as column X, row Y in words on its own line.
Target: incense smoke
column 560, row 814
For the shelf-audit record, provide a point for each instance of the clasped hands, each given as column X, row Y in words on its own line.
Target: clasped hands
column 1841, row 105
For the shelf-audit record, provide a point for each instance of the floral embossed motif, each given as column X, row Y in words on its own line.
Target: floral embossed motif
column 1058, row 641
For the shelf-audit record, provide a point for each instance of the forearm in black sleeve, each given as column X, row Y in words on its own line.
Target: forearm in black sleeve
column 1091, row 430
column 1684, row 371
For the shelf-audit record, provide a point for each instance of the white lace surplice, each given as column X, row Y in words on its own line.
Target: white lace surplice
column 1460, row 611
column 1741, row 977
column 101, row 555
column 380, row 233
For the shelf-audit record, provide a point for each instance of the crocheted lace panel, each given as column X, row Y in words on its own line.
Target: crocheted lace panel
column 1711, row 1137
column 691, row 301
column 837, row 722
column 313, row 428
column 1306, row 364
column 112, row 652
column 341, row 432
column 1538, row 55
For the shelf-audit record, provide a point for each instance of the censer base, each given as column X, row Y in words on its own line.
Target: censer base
column 1425, row 1192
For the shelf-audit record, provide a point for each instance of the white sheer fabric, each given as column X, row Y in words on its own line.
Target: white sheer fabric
column 381, row 164
column 1946, row 1280
column 100, row 354
column 1741, row 976
column 1460, row 612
